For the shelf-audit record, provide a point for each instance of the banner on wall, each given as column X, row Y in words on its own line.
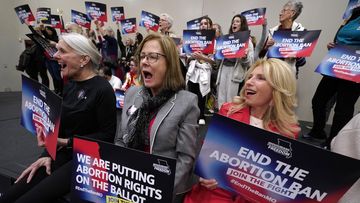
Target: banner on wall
column 128, row 26
column 293, row 43
column 198, row 41
column 194, row 24
column 117, row 14
column 43, row 15
column 149, row 21
column 266, row 167
column 80, row 18
column 351, row 5
column 255, row 16
column 96, row 11
column 40, row 109
column 232, row 45
column 24, row 13
column 342, row 62
column 105, row 173
column 56, row 22
column 120, row 96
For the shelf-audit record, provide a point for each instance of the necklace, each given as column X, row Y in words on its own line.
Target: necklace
column 256, row 122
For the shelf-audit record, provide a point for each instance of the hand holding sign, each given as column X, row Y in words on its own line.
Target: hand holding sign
column 270, row 43
column 40, row 137
column 330, row 45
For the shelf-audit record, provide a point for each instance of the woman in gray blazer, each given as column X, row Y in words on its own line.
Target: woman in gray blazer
column 160, row 117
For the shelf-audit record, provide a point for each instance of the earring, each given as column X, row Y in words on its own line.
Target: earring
column 81, row 66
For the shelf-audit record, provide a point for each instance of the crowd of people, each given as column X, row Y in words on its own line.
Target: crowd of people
column 166, row 94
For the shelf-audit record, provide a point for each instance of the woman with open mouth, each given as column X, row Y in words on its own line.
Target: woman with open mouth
column 287, row 16
column 232, row 70
column 198, row 74
column 160, row 117
column 88, row 110
column 267, row 101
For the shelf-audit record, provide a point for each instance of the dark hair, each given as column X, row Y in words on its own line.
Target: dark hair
column 208, row 19
column 243, row 23
column 106, row 70
column 54, row 36
column 139, row 38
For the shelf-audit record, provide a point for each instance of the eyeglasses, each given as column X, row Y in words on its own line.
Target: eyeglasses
column 151, row 57
column 284, row 10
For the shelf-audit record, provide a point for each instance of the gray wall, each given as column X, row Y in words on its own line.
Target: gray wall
column 321, row 14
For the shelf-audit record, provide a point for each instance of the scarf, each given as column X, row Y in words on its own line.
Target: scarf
column 136, row 136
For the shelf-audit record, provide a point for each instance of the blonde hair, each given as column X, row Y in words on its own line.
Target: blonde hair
column 173, row 77
column 280, row 113
column 83, row 46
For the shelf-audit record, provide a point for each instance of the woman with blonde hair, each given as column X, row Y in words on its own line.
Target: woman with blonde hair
column 277, row 115
column 267, row 100
column 160, row 117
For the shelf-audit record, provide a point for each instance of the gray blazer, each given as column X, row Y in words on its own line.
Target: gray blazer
column 174, row 132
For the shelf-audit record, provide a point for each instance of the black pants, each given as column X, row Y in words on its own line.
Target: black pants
column 43, row 188
column 195, row 88
column 346, row 92
column 54, row 69
column 34, row 71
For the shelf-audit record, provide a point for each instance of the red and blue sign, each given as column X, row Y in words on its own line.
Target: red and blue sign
column 96, row 11
column 149, row 21
column 43, row 15
column 128, row 26
column 41, row 109
column 255, row 16
column 342, row 62
column 120, row 97
column 56, row 22
column 117, row 14
column 24, row 13
column 81, row 19
column 198, row 41
column 290, row 44
column 194, row 24
column 103, row 173
column 266, row 167
column 232, row 45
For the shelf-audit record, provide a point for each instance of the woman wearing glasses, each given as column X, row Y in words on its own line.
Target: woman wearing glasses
column 291, row 10
column 160, row 117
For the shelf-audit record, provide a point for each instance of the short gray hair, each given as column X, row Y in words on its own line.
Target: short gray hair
column 168, row 18
column 297, row 6
column 83, row 46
